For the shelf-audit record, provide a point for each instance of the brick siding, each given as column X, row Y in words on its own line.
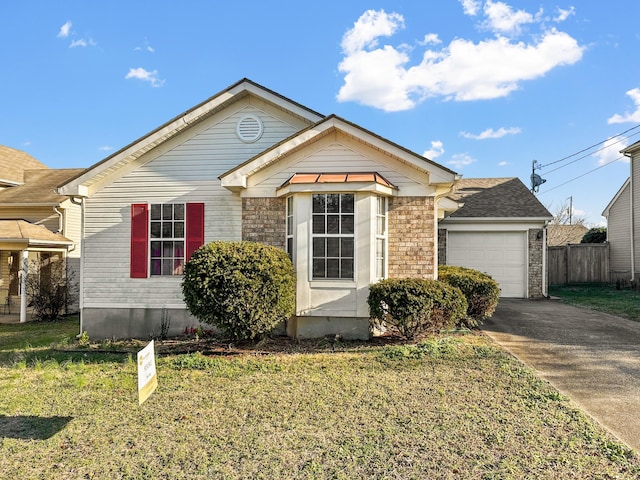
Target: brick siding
column 411, row 237
column 263, row 220
column 535, row 262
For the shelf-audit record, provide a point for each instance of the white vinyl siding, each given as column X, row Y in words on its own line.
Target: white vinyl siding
column 619, row 234
column 187, row 172
column 38, row 215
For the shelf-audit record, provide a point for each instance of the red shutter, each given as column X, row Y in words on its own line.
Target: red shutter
column 195, row 227
column 139, row 240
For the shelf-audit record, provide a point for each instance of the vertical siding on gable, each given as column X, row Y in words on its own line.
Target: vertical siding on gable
column 186, row 173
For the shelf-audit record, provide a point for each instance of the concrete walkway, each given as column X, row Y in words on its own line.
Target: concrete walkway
column 591, row 357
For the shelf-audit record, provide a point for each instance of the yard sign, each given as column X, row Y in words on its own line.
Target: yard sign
column 147, row 378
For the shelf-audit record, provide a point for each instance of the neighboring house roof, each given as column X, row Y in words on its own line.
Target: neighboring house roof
column 113, row 166
column 39, row 187
column 13, row 163
column 558, row 235
column 634, row 147
column 496, row 198
column 27, row 234
column 236, row 177
column 605, row 212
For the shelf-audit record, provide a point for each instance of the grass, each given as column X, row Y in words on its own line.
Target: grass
column 451, row 407
column 604, row 298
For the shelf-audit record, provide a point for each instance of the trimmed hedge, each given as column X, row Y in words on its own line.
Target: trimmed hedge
column 481, row 291
column 413, row 307
column 243, row 288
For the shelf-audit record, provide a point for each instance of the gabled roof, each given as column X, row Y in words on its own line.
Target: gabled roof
column 564, row 234
column 25, row 234
column 631, row 149
column 39, row 187
column 100, row 172
column 13, row 163
column 236, row 177
column 496, row 198
column 605, row 212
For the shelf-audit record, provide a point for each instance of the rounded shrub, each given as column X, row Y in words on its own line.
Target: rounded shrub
column 481, row 291
column 243, row 288
column 413, row 307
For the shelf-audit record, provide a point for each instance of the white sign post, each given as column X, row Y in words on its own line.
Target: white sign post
column 147, row 378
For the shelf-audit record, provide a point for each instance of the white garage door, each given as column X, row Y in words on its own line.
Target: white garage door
column 500, row 254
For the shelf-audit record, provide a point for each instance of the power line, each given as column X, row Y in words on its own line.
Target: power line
column 589, row 148
column 584, row 174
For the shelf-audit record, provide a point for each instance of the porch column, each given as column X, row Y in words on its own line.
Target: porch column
column 23, row 286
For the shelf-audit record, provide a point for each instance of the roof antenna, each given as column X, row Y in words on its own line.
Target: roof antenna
column 536, row 180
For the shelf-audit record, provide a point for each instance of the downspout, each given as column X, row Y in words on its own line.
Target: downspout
column 632, row 221
column 80, row 202
column 60, row 219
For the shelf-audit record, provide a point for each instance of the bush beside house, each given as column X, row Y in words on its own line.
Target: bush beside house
column 243, row 288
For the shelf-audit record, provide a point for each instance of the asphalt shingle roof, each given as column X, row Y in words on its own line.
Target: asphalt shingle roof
column 14, row 162
column 39, row 187
column 495, row 198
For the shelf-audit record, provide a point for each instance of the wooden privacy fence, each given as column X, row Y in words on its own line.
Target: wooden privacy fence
column 578, row 263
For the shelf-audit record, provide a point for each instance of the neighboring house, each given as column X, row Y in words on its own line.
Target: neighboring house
column 497, row 226
column 37, row 225
column 349, row 206
column 560, row 235
column 623, row 223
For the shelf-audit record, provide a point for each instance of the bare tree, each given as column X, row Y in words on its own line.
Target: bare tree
column 565, row 227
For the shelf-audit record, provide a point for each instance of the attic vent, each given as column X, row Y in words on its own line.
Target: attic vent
column 249, row 128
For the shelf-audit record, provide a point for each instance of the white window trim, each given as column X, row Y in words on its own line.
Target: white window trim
column 162, row 239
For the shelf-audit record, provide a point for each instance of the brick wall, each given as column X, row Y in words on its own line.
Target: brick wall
column 411, row 237
column 263, row 220
column 535, row 262
column 442, row 246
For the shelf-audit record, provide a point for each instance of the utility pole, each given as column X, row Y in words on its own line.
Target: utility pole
column 570, row 209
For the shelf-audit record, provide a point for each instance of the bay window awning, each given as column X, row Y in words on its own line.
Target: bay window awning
column 353, row 182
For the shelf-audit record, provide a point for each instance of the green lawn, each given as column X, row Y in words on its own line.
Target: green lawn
column 452, row 407
column 604, row 298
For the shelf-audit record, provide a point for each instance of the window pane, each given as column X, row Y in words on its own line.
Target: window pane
column 318, row 204
column 333, row 247
column 333, row 203
column 379, row 268
column 156, row 267
column 333, row 224
column 167, row 249
column 167, row 231
column 178, row 230
column 380, row 226
column 318, row 268
column 347, row 247
column 178, row 266
column 333, row 268
column 156, row 249
column 347, row 203
column 347, row 224
column 155, row 229
column 318, row 247
column 155, row 211
column 290, row 247
column 178, row 249
column 380, row 247
column 178, row 211
column 289, row 225
column 318, row 224
column 346, row 268
column 167, row 267
column 167, row 211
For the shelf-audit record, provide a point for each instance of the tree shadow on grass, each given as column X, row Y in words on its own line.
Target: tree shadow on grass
column 29, row 427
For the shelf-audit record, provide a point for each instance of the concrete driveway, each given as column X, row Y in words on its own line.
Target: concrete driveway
column 591, row 357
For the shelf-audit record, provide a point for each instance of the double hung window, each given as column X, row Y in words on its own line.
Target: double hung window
column 167, row 238
column 333, row 236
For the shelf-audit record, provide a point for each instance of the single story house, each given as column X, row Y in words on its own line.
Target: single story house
column 38, row 226
column 349, row 206
column 623, row 223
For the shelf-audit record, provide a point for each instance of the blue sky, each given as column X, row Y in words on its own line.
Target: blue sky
column 482, row 87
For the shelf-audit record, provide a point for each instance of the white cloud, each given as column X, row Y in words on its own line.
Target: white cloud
column 491, row 133
column 381, row 77
column 610, row 151
column 564, row 14
column 461, row 160
column 501, row 18
column 82, row 43
column 145, row 75
column 471, row 7
column 503, row 164
column 437, row 149
column 105, row 148
column 146, row 47
column 430, row 39
column 65, row 30
column 629, row 117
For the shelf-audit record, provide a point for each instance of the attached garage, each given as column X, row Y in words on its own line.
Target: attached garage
column 496, row 226
column 503, row 255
